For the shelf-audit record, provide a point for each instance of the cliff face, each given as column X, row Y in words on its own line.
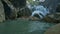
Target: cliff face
column 14, row 8
column 2, row 14
column 11, row 8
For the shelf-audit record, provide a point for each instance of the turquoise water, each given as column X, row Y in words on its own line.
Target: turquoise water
column 24, row 27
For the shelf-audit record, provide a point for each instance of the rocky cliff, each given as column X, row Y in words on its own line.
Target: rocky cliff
column 13, row 9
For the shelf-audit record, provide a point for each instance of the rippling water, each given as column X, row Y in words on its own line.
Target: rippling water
column 24, row 27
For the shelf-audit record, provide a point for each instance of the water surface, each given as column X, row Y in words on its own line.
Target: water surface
column 24, row 27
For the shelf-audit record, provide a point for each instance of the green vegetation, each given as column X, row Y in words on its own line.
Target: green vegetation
column 33, row 2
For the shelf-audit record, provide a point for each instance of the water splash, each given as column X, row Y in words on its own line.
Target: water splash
column 41, row 11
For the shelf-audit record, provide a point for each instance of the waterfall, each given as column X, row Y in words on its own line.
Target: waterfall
column 41, row 11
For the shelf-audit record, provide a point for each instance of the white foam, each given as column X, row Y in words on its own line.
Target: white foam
column 40, row 10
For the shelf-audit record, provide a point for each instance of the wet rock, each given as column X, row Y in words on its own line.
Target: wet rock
column 2, row 14
column 53, row 30
column 53, row 17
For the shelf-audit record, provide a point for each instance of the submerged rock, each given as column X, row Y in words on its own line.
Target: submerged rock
column 2, row 14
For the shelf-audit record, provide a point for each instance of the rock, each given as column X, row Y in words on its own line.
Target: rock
column 18, row 3
column 12, row 7
column 52, row 18
column 53, row 30
column 10, row 10
column 51, row 4
column 55, row 18
column 33, row 18
column 2, row 14
column 58, row 8
column 24, row 12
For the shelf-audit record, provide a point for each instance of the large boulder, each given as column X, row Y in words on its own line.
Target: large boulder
column 53, row 30
column 55, row 18
column 11, row 7
column 2, row 14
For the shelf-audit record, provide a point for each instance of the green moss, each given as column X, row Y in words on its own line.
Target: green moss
column 33, row 2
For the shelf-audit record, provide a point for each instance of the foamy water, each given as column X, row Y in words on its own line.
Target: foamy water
column 40, row 10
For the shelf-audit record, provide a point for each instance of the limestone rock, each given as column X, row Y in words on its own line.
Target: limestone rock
column 53, row 30
column 2, row 14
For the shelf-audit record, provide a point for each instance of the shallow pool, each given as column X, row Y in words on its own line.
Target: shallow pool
column 24, row 27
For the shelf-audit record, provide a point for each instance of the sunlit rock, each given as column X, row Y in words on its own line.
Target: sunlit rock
column 53, row 30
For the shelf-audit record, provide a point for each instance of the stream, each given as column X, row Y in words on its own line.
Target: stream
column 24, row 27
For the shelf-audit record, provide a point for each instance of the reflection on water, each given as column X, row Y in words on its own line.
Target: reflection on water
column 24, row 27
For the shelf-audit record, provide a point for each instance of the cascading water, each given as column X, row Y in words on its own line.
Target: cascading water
column 41, row 11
